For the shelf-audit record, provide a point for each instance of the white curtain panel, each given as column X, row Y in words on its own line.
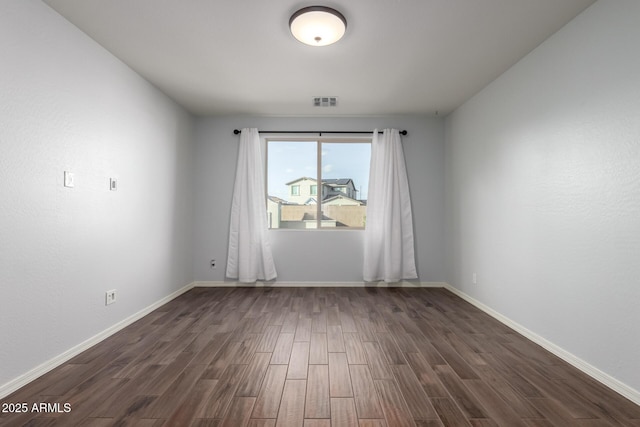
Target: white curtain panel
column 388, row 236
column 249, row 258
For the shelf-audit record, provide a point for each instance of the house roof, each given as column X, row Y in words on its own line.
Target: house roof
column 337, row 182
column 300, row 179
column 340, row 196
column 334, row 182
column 279, row 200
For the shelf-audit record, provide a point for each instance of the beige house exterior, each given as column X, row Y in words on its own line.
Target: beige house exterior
column 340, row 208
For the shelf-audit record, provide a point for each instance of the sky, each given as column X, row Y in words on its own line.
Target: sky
column 290, row 160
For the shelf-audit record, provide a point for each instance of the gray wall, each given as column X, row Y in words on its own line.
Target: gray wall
column 67, row 104
column 298, row 253
column 543, row 191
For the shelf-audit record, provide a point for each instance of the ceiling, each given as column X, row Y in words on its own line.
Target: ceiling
column 397, row 57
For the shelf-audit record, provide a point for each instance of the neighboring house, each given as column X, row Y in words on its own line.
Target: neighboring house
column 340, row 200
column 342, row 187
column 340, row 206
column 274, row 211
column 304, row 191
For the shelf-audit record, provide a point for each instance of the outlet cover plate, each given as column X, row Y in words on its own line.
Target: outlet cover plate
column 110, row 297
column 69, row 179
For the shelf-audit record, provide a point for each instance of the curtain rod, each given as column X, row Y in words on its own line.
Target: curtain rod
column 237, row 131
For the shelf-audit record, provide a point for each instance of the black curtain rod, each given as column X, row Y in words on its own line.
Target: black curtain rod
column 320, row 132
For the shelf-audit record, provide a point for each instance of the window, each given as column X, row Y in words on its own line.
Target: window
column 318, row 184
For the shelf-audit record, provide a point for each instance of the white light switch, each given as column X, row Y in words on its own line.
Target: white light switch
column 68, row 179
column 113, row 184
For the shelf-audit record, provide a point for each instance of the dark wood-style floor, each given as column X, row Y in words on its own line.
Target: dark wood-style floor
column 320, row 357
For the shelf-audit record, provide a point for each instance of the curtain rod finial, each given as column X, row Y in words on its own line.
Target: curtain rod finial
column 236, row 131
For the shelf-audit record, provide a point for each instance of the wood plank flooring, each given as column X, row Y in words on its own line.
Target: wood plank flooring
column 318, row 357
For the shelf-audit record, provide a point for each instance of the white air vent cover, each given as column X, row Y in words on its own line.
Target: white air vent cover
column 325, row 101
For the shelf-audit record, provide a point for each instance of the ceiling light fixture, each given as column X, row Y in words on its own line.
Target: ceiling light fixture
column 317, row 25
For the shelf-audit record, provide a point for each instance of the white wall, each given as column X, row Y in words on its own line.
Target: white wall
column 543, row 191
column 298, row 253
column 67, row 104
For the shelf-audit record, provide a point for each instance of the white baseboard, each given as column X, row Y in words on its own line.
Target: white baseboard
column 595, row 373
column 24, row 379
column 284, row 284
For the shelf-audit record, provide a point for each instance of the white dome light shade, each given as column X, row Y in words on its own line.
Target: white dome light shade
column 318, row 25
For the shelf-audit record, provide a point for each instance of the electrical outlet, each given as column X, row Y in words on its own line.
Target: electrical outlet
column 69, row 179
column 475, row 279
column 213, row 263
column 110, row 297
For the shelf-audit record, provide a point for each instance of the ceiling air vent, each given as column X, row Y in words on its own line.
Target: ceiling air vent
column 325, row 101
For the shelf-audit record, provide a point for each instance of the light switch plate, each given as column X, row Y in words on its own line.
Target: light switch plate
column 69, row 180
column 110, row 297
column 113, row 184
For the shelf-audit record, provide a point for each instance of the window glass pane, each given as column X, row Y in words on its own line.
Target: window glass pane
column 345, row 182
column 291, row 170
column 295, row 197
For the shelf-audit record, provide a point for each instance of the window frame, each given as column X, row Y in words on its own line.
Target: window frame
column 319, row 141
